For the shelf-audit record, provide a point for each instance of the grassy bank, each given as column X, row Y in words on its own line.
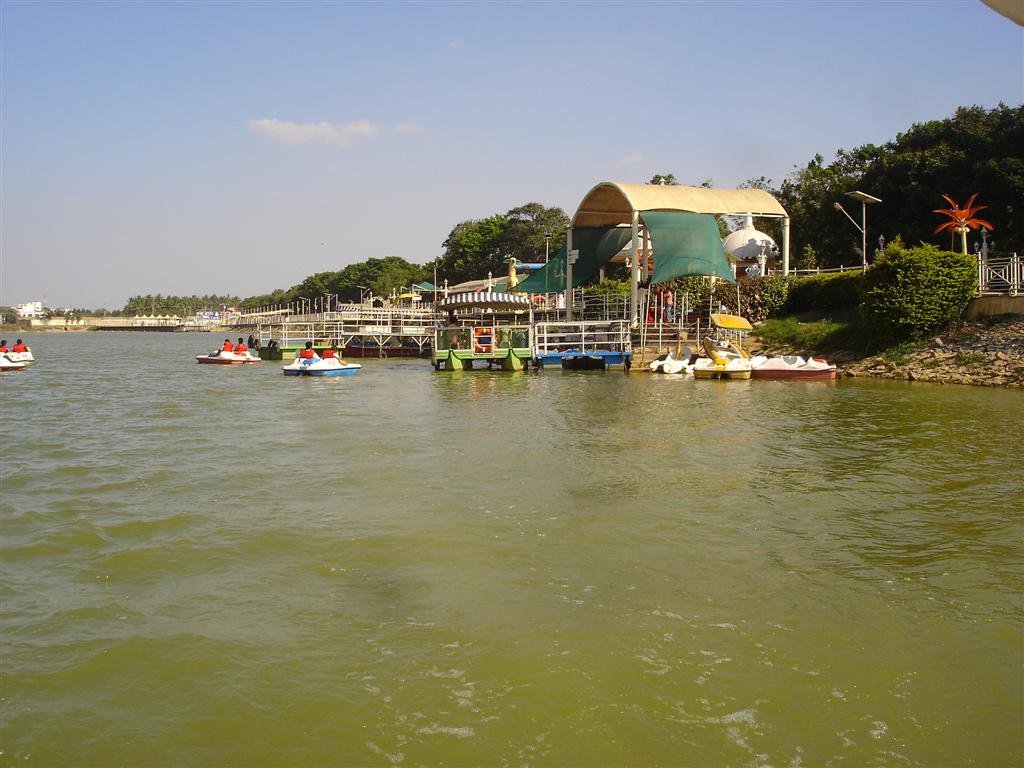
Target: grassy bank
column 822, row 335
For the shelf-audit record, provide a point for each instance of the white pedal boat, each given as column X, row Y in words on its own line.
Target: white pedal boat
column 791, row 367
column 669, row 364
column 8, row 365
column 25, row 358
column 220, row 357
column 317, row 366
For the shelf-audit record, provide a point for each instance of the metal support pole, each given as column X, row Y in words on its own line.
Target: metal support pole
column 785, row 245
column 634, row 278
column 863, row 236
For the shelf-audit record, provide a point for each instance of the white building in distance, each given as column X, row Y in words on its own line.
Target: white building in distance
column 30, row 309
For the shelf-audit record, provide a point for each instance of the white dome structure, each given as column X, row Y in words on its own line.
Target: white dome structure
column 747, row 243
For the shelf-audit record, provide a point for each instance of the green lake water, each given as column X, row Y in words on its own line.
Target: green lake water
column 223, row 566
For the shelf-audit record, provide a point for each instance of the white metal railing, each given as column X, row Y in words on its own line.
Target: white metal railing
column 297, row 331
column 1000, row 275
column 584, row 336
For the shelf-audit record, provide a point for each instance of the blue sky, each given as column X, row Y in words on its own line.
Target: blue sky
column 238, row 147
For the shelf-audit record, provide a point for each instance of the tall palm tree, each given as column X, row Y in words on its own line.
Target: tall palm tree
column 963, row 219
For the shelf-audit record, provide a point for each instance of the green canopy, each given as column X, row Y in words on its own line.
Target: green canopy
column 597, row 246
column 685, row 244
column 425, row 286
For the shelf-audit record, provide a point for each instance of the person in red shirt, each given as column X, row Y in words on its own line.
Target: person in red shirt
column 3, row 345
column 240, row 348
column 308, row 353
column 19, row 347
column 329, row 352
column 228, row 346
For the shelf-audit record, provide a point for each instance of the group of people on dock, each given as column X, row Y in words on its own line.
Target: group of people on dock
column 19, row 346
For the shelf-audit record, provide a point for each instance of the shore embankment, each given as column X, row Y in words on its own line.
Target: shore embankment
column 986, row 353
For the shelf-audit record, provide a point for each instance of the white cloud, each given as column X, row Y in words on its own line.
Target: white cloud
column 288, row 132
column 635, row 160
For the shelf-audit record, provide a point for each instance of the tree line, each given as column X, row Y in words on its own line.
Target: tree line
column 976, row 150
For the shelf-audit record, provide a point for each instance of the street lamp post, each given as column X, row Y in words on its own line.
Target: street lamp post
column 865, row 200
column 547, row 246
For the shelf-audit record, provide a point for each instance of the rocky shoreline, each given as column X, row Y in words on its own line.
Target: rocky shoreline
column 988, row 354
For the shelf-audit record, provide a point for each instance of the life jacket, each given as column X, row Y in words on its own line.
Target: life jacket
column 4, row 348
column 240, row 348
column 328, row 353
column 307, row 354
column 228, row 346
column 19, row 348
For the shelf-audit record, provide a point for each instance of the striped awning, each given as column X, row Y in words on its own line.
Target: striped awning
column 498, row 302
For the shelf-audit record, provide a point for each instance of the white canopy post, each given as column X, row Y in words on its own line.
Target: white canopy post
column 785, row 245
column 634, row 278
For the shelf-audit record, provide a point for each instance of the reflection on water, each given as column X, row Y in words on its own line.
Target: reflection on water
column 206, row 565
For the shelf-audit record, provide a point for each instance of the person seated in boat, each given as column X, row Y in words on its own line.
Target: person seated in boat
column 307, row 352
column 3, row 346
column 19, row 346
column 240, row 348
column 228, row 346
column 329, row 353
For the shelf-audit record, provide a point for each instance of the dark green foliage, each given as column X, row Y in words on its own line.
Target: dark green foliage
column 474, row 248
column 177, row 305
column 975, row 150
column 912, row 292
column 610, row 287
column 763, row 296
column 379, row 276
column 827, row 293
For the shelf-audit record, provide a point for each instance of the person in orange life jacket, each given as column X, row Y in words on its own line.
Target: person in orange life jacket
column 19, row 347
column 240, row 348
column 329, row 352
column 228, row 346
column 308, row 353
column 3, row 345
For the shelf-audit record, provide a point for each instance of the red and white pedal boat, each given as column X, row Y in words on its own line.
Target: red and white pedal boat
column 791, row 367
column 220, row 357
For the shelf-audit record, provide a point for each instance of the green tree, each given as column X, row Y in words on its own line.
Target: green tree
column 474, row 248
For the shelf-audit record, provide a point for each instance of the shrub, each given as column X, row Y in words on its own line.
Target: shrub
column 912, row 292
column 763, row 296
column 609, row 287
column 831, row 292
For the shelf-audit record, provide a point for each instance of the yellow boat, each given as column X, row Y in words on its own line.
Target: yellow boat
column 725, row 360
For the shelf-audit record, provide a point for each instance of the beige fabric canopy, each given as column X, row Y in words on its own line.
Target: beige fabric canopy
column 613, row 203
column 1011, row 9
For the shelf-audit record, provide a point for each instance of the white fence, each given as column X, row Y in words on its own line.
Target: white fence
column 1000, row 275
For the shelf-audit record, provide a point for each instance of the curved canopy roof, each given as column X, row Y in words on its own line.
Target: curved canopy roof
column 612, row 202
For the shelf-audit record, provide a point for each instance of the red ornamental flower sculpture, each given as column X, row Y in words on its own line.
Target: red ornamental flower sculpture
column 963, row 219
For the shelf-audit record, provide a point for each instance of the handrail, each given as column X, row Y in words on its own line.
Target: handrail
column 1000, row 275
